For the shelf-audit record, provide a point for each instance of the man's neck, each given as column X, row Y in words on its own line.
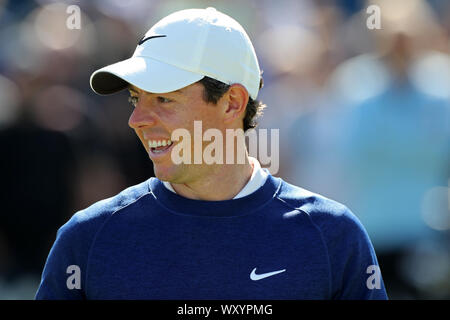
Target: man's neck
column 223, row 184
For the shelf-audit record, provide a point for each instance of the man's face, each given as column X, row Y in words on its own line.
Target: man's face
column 156, row 116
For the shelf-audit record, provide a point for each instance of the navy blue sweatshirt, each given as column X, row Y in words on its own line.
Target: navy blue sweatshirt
column 279, row 242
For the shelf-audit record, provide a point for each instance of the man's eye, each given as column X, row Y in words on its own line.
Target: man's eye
column 164, row 100
column 133, row 100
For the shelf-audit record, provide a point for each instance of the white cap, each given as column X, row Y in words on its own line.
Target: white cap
column 181, row 49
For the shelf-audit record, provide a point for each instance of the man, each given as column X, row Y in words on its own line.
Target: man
column 205, row 229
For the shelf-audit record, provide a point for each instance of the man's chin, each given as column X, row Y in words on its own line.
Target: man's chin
column 164, row 172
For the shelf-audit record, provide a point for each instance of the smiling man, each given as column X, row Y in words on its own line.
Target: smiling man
column 156, row 117
column 205, row 230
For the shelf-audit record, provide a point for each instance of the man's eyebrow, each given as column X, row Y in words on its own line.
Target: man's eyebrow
column 176, row 91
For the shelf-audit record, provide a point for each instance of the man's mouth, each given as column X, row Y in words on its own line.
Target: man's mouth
column 159, row 146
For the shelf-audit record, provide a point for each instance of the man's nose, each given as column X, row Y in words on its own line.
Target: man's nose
column 141, row 117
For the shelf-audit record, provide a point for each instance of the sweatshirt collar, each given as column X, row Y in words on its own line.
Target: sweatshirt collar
column 226, row 208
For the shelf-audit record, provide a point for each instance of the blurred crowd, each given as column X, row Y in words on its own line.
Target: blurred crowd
column 363, row 116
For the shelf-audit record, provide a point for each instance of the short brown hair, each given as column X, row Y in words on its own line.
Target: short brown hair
column 215, row 89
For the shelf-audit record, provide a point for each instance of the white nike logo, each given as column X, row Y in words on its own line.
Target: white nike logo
column 256, row 277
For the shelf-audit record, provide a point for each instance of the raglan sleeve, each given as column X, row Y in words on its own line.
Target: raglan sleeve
column 63, row 276
column 354, row 269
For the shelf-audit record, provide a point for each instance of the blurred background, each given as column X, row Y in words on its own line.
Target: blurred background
column 363, row 116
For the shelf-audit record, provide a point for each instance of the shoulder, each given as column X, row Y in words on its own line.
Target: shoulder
column 346, row 243
column 340, row 229
column 328, row 215
column 91, row 218
column 311, row 203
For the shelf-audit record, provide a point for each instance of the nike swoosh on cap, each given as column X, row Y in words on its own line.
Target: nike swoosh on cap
column 256, row 277
column 148, row 38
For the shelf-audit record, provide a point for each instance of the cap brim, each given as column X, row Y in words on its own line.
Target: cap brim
column 145, row 73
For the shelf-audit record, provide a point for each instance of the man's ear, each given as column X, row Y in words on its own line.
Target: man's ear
column 236, row 100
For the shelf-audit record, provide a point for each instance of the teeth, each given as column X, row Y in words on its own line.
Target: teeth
column 159, row 143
